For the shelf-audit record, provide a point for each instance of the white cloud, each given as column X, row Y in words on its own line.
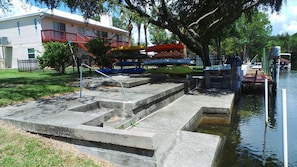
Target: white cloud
column 286, row 20
column 19, row 7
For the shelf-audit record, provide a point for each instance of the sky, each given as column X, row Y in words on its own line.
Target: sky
column 286, row 20
column 283, row 22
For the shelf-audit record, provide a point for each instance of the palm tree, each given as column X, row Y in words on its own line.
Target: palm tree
column 130, row 28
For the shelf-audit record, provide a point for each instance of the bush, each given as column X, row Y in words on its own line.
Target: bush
column 99, row 49
column 57, row 55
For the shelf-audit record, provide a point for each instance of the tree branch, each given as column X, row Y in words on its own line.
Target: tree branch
column 203, row 17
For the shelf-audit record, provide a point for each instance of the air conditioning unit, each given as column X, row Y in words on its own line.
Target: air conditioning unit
column 3, row 41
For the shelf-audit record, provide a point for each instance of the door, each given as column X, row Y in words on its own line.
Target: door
column 8, row 57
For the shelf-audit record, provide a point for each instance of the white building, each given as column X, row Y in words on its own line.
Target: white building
column 22, row 36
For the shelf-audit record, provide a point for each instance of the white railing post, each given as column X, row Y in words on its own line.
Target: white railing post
column 266, row 101
column 80, row 81
column 285, row 128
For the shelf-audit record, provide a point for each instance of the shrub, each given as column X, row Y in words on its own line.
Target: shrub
column 99, row 48
column 57, row 55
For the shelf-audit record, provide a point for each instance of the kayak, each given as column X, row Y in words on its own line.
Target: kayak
column 128, row 48
column 127, row 63
column 167, row 61
column 171, row 70
column 127, row 55
column 124, row 70
column 164, row 47
column 173, row 54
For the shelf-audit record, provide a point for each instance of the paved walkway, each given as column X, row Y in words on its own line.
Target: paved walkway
column 176, row 146
column 167, row 132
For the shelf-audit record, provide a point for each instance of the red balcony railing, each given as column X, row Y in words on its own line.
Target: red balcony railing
column 62, row 36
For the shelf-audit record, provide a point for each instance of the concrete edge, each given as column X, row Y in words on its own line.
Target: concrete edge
column 139, row 140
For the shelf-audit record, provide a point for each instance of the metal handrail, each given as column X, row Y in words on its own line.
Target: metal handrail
column 99, row 72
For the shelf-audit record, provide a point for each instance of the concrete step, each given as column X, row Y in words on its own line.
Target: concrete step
column 193, row 149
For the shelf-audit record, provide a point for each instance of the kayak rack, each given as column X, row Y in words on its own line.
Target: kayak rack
column 99, row 72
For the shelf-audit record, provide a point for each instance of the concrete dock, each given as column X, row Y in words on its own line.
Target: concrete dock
column 154, row 126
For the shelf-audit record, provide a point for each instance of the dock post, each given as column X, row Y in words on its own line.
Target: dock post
column 266, row 101
column 285, row 128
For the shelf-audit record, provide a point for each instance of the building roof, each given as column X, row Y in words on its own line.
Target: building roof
column 65, row 15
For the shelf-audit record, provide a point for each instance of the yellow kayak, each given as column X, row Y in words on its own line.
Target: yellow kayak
column 128, row 48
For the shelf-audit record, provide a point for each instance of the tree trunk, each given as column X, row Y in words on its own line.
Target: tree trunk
column 218, row 45
column 145, row 33
column 138, row 29
column 130, row 28
column 205, row 55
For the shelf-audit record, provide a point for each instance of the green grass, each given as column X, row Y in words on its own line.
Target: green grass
column 22, row 86
column 19, row 148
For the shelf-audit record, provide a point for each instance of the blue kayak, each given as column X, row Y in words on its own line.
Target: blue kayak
column 167, row 61
column 127, row 63
column 124, row 70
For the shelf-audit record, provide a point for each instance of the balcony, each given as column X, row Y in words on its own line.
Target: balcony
column 62, row 36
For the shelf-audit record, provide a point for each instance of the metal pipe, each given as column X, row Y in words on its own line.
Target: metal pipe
column 99, row 72
column 266, row 101
column 285, row 128
column 80, row 81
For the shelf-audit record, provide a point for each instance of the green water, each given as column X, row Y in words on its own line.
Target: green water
column 249, row 142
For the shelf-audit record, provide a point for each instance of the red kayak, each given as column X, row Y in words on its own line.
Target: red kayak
column 164, row 47
column 165, row 55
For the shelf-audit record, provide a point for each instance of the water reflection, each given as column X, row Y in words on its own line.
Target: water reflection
column 249, row 142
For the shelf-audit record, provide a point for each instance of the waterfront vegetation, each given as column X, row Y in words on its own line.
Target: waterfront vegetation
column 17, row 86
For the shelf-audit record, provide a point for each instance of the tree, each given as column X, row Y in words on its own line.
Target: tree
column 57, row 55
column 161, row 36
column 4, row 5
column 99, row 48
column 248, row 35
column 194, row 22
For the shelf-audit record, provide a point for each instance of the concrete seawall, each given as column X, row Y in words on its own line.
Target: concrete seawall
column 153, row 128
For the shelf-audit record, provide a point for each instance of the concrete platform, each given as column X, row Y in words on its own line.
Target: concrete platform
column 153, row 127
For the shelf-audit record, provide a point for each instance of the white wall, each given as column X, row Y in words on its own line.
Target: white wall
column 27, row 36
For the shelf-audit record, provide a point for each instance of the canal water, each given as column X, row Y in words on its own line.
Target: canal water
column 249, row 142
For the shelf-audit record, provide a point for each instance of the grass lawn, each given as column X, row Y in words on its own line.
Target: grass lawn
column 18, row 148
column 22, row 86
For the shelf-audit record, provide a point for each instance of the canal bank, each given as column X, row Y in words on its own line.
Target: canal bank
column 154, row 127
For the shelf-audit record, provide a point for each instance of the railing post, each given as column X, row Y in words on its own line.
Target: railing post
column 99, row 72
column 285, row 128
column 266, row 101
column 80, row 81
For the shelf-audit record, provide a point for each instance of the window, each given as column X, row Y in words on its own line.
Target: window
column 89, row 32
column 81, row 31
column 35, row 24
column 31, row 53
column 119, row 37
column 59, row 30
column 19, row 28
column 102, row 34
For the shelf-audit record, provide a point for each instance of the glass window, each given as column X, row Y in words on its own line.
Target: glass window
column 104, row 34
column 81, row 31
column 89, row 32
column 31, row 53
column 59, row 30
column 19, row 28
column 119, row 37
column 35, row 24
